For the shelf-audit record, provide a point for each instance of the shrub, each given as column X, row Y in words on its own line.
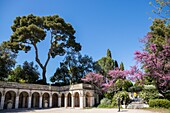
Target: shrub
column 124, row 97
column 105, row 103
column 149, row 92
column 104, row 106
column 159, row 103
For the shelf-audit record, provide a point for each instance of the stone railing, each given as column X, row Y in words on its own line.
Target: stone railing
column 44, row 87
column 27, row 86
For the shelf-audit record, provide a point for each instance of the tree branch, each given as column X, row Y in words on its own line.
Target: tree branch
column 50, row 50
column 36, row 55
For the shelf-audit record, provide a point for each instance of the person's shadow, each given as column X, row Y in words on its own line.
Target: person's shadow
column 123, row 111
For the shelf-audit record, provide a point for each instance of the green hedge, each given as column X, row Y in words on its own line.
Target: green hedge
column 159, row 103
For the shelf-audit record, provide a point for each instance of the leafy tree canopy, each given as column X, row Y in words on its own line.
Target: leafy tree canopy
column 73, row 68
column 30, row 30
column 7, row 61
column 28, row 73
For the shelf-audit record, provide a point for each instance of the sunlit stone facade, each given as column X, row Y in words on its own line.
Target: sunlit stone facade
column 15, row 95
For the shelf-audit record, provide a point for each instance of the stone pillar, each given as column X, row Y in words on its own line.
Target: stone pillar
column 59, row 101
column 92, row 101
column 81, row 102
column 40, row 101
column 50, row 101
column 16, row 102
column 72, row 101
column 84, row 103
column 65, row 102
column 29, row 101
column 2, row 101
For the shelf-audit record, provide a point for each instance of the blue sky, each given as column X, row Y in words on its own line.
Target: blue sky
column 100, row 25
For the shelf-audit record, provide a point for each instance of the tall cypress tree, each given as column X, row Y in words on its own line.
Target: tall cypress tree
column 109, row 53
column 121, row 66
column 116, row 64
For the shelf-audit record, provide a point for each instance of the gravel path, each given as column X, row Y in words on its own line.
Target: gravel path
column 69, row 110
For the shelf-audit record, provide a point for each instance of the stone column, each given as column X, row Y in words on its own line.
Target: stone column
column 29, row 101
column 72, row 101
column 84, row 103
column 2, row 101
column 16, row 102
column 81, row 102
column 92, row 101
column 65, row 102
column 40, row 101
column 50, row 100
column 59, row 101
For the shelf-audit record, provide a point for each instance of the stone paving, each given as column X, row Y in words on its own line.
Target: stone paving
column 70, row 110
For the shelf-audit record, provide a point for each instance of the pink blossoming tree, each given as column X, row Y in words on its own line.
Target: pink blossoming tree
column 156, row 64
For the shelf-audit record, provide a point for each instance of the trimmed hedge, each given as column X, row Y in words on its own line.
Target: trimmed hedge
column 159, row 103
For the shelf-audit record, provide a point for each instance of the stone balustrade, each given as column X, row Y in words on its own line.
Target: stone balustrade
column 23, row 95
column 44, row 87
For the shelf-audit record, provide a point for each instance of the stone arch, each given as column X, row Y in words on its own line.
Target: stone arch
column 88, row 98
column 35, row 100
column 69, row 100
column 9, row 102
column 23, row 100
column 55, row 100
column 62, row 100
column 45, row 100
column 76, row 100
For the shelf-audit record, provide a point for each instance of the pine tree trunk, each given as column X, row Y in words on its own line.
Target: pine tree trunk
column 44, row 76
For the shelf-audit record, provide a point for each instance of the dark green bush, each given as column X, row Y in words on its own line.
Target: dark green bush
column 159, row 103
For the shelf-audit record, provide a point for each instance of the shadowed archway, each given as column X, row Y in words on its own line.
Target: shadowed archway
column 35, row 100
column 45, row 100
column 69, row 100
column 9, row 102
column 54, row 100
column 23, row 100
column 76, row 100
column 87, row 99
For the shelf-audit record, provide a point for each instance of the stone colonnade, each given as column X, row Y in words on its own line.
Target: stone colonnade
column 15, row 95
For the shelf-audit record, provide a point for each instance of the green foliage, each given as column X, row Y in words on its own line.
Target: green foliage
column 121, row 84
column 73, row 68
column 30, row 30
column 7, row 61
column 135, row 88
column 105, row 106
column 105, row 103
column 26, row 73
column 105, row 64
column 159, row 103
column 109, row 54
column 122, row 66
column 109, row 95
column 116, row 64
column 148, row 92
column 161, row 8
column 124, row 97
column 159, row 34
